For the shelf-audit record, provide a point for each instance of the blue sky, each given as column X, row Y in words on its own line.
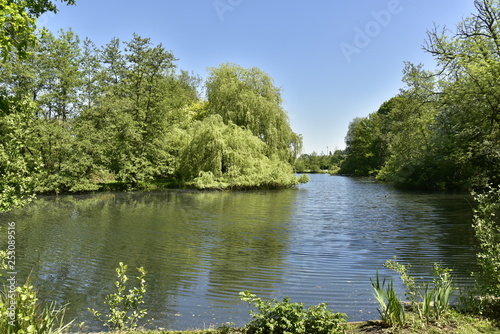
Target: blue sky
column 335, row 60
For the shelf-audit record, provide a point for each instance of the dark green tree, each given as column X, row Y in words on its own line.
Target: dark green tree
column 468, row 66
column 367, row 142
column 410, row 151
column 141, row 99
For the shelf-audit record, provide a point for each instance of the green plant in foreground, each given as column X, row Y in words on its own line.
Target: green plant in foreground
column 226, row 328
column 431, row 301
column 443, row 287
column 391, row 310
column 31, row 316
column 124, row 308
column 285, row 317
column 486, row 224
column 412, row 290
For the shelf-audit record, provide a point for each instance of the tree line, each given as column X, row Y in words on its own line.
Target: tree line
column 442, row 131
column 320, row 163
column 75, row 116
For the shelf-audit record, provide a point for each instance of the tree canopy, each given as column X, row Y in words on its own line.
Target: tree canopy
column 76, row 117
column 18, row 22
column 249, row 99
column 442, row 129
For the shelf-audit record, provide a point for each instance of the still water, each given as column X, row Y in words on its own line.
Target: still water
column 320, row 242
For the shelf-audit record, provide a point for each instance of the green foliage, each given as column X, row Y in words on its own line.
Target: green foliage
column 223, row 155
column 315, row 163
column 124, row 306
column 123, row 113
column 16, row 160
column 31, row 315
column 412, row 289
column 432, row 302
column 487, row 228
column 366, row 143
column 226, row 328
column 249, row 99
column 443, row 288
column 18, row 22
column 285, row 317
column 391, row 310
column 442, row 130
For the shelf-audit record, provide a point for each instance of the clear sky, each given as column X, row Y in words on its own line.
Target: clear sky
column 335, row 60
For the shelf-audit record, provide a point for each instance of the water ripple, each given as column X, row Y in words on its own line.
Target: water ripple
column 319, row 243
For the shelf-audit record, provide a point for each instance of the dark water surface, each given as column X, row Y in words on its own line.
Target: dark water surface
column 318, row 243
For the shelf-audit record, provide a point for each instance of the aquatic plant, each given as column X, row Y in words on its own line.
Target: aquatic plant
column 431, row 301
column 390, row 308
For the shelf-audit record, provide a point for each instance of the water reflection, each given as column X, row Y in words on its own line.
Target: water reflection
column 217, row 243
column 318, row 243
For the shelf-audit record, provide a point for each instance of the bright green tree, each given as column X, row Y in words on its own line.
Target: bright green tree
column 59, row 66
column 249, row 99
column 90, row 67
column 17, row 36
column 221, row 155
column 18, row 22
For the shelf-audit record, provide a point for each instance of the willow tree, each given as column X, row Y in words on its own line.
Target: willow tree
column 249, row 99
column 220, row 155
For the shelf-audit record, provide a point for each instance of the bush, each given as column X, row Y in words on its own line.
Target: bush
column 284, row 317
column 486, row 224
column 124, row 308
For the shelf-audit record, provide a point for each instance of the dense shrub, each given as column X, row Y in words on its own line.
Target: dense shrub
column 275, row 317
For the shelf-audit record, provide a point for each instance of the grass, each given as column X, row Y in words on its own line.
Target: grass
column 453, row 322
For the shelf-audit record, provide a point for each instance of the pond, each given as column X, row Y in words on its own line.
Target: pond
column 320, row 242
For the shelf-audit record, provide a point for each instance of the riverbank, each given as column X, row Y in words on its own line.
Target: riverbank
column 173, row 183
column 453, row 322
column 456, row 323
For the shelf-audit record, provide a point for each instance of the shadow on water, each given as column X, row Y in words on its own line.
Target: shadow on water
column 319, row 243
